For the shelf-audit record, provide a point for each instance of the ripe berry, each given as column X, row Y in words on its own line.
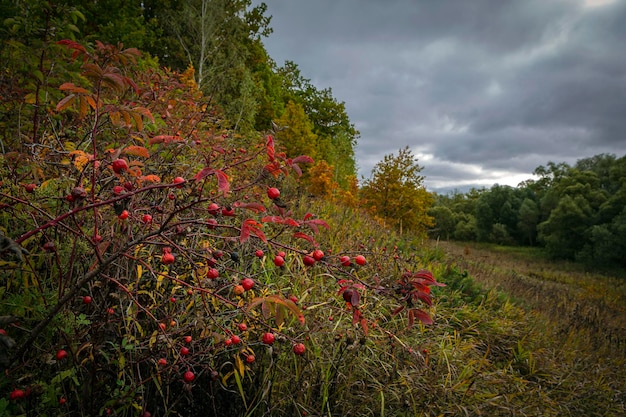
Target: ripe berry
column 49, row 246
column 17, row 394
column 30, row 188
column 345, row 260
column 128, row 186
column 184, row 351
column 162, row 326
column 268, row 338
column 299, row 349
column 308, row 260
column 123, row 215
column 167, row 258
column 119, row 165
column 162, row 362
column 218, row 254
column 250, row 359
column 360, row 260
column 213, row 209
column 97, row 238
column 247, row 283
column 212, row 273
column 279, row 260
column 179, row 182
column 187, row 339
column 118, row 189
column 61, row 354
column 211, row 223
column 172, row 299
column 110, row 311
column 318, row 255
column 235, row 339
column 294, row 299
column 282, row 254
column 87, row 299
column 78, row 193
column 347, row 295
column 147, row 219
column 273, row 193
column 228, row 211
column 228, row 342
column 189, row 376
column 242, row 327
column 259, row 253
column 239, row 289
column 62, row 400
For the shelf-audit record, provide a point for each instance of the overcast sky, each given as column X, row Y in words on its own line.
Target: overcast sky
column 482, row 91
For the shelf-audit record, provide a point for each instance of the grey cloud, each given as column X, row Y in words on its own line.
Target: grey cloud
column 485, row 88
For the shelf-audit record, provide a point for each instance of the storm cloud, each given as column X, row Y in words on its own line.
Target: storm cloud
column 482, row 91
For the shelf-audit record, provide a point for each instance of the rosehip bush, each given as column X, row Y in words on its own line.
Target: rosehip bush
column 183, row 226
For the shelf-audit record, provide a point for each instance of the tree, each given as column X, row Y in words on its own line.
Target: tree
column 395, row 192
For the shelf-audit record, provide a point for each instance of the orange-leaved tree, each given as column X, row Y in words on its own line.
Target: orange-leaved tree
column 395, row 193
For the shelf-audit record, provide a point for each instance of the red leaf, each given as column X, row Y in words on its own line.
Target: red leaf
column 222, row 182
column 397, row 310
column 303, row 159
column 255, row 207
column 421, row 315
column 253, row 226
column 356, row 298
column 364, row 326
column 316, row 222
column 304, row 236
column 203, row 173
column 296, row 168
column 270, row 147
column 136, row 151
column 273, row 219
column 308, row 216
column 165, row 139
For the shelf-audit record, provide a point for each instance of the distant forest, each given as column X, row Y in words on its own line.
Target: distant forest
column 575, row 212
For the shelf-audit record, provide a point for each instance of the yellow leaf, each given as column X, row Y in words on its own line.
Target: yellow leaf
column 139, row 271
column 239, row 366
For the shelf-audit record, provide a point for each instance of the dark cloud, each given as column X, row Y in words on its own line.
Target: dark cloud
column 483, row 91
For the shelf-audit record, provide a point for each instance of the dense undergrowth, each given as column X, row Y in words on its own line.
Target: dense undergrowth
column 155, row 263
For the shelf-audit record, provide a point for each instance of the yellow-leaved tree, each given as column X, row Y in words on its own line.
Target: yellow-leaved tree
column 396, row 195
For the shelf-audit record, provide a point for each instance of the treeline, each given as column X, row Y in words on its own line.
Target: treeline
column 218, row 41
column 575, row 212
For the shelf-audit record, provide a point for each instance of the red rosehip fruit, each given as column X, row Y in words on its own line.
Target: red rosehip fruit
column 30, row 188
column 239, row 289
column 268, row 338
column 273, row 193
column 167, row 258
column 61, row 354
column 360, row 260
column 212, row 273
column 235, row 339
column 162, row 362
column 242, row 327
column 213, row 209
column 179, row 182
column 259, row 253
column 189, row 376
column 247, row 283
column 123, row 215
column 17, row 394
column 345, row 260
column 119, row 165
column 146, row 218
column 318, row 255
column 184, row 351
column 187, row 339
column 87, row 299
column 308, row 260
column 211, row 223
column 250, row 359
column 299, row 349
column 279, row 260
column 282, row 254
column 228, row 211
column 118, row 189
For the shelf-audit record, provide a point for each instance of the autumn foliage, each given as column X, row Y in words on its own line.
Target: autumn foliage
column 150, row 251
